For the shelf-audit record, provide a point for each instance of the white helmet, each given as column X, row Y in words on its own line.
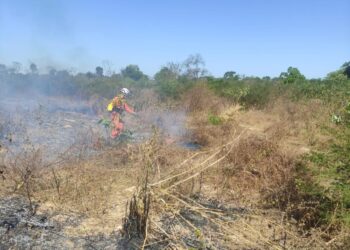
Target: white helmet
column 125, row 91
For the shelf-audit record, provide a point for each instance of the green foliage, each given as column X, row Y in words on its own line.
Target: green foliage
column 332, row 167
column 231, row 75
column 170, row 83
column 167, row 83
column 292, row 75
column 230, row 88
column 105, row 122
column 214, row 119
column 99, row 71
column 258, row 95
column 337, row 77
column 346, row 69
column 63, row 82
column 133, row 72
column 249, row 92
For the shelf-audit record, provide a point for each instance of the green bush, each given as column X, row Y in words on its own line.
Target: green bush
column 214, row 119
column 249, row 92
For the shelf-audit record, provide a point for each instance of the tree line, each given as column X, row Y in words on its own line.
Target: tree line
column 170, row 81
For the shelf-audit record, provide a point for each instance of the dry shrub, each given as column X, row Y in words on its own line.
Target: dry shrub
column 145, row 99
column 258, row 172
column 84, row 188
column 3, row 167
column 256, row 166
column 302, row 120
column 92, row 185
column 211, row 120
column 75, row 181
column 201, row 99
column 24, row 173
column 206, row 134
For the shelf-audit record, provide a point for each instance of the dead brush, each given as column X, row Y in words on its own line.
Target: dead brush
column 205, row 124
column 146, row 99
column 201, row 99
column 163, row 193
column 256, row 167
column 24, row 172
column 80, row 187
column 135, row 222
column 302, row 120
column 206, row 134
column 178, row 220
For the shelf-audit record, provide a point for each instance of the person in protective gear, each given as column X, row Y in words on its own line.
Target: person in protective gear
column 116, row 108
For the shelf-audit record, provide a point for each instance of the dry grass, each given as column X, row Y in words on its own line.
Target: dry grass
column 255, row 168
column 302, row 121
column 202, row 104
column 234, row 193
column 181, row 215
column 201, row 99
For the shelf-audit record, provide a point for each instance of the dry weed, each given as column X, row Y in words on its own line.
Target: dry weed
column 255, row 168
column 24, row 172
column 201, row 99
column 302, row 121
column 206, row 134
column 177, row 219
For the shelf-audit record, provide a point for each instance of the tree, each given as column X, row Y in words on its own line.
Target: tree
column 194, row 66
column 107, row 65
column 346, row 69
column 292, row 75
column 167, row 82
column 99, row 71
column 231, row 75
column 165, row 74
column 52, row 71
column 33, row 68
column 16, row 68
column 133, row 72
column 175, row 68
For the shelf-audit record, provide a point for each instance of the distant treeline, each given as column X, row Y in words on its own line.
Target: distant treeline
column 170, row 82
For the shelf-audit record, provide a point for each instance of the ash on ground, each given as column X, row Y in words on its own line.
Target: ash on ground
column 21, row 229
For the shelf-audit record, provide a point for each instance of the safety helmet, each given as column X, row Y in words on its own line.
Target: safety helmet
column 125, row 91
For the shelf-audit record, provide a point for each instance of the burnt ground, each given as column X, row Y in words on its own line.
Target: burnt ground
column 48, row 124
column 58, row 128
column 20, row 229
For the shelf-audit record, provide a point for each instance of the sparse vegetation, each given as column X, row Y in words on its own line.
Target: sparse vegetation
column 273, row 169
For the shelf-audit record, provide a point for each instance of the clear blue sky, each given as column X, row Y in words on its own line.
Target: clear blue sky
column 251, row 37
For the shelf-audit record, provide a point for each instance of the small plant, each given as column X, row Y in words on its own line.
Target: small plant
column 214, row 119
column 337, row 119
column 105, row 122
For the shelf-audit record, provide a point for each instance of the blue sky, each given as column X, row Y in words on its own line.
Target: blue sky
column 251, row 37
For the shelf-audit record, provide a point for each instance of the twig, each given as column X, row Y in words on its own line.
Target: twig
column 145, row 239
column 199, row 165
column 205, row 168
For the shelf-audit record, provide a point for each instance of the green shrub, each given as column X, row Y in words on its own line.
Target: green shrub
column 214, row 119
